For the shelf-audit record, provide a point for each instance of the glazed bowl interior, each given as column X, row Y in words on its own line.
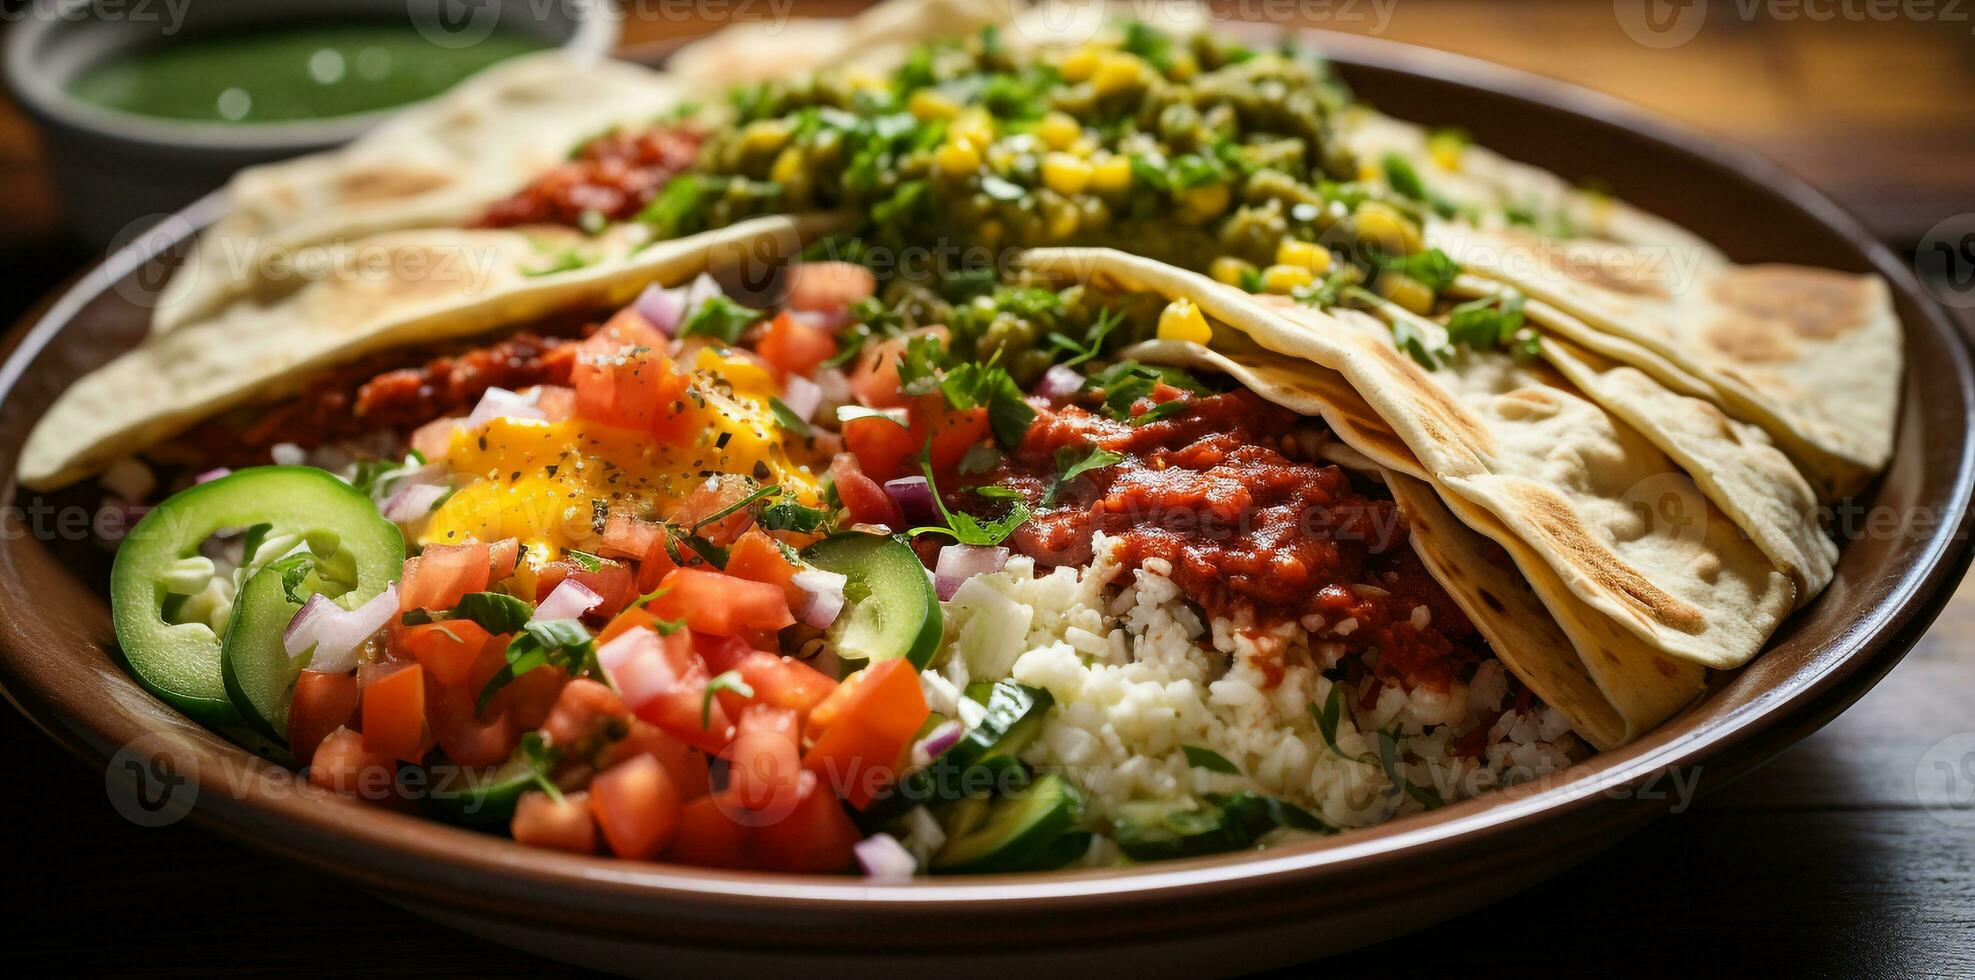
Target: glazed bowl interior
column 57, row 661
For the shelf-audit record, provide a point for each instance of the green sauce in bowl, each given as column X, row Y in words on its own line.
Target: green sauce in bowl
column 289, row 74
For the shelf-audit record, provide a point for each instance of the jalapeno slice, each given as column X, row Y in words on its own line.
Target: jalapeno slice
column 176, row 656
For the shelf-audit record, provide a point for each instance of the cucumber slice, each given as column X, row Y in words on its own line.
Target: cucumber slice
column 1237, row 821
column 181, row 662
column 256, row 669
column 484, row 798
column 974, row 764
column 892, row 610
column 1009, row 833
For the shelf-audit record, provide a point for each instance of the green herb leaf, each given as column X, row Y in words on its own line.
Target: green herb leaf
column 966, row 528
column 847, row 414
column 727, row 681
column 1070, row 464
column 757, row 495
column 493, row 611
column 1431, row 267
column 720, row 318
column 542, row 758
column 1210, row 760
column 1328, row 716
column 791, row 516
column 676, row 210
column 590, row 562
column 788, row 419
column 561, row 643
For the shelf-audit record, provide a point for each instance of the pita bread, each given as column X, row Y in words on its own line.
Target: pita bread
column 1622, row 527
column 1612, row 685
column 383, row 292
column 434, row 165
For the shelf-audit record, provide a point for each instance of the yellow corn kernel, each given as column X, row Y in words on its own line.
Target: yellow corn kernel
column 957, row 157
column 929, row 103
column 864, row 80
column 1286, row 278
column 1205, row 201
column 1181, row 320
column 1447, row 146
column 1406, row 291
column 1230, row 270
column 1111, row 175
column 1078, row 65
column 766, row 135
column 1378, row 223
column 1062, row 222
column 1116, row 71
column 973, row 126
column 1184, row 66
column 1306, row 255
column 1065, row 174
column 1059, row 130
column 788, row 167
column 1084, row 146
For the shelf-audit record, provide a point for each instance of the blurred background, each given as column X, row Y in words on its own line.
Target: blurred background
column 1823, row 863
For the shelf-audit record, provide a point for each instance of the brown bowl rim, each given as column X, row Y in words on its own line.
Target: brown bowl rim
column 420, row 860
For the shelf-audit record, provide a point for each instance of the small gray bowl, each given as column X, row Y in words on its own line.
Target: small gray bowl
column 116, row 170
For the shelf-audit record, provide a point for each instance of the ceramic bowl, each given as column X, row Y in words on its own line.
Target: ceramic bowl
column 1214, row 915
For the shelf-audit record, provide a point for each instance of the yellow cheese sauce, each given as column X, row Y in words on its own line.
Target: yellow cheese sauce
column 551, row 484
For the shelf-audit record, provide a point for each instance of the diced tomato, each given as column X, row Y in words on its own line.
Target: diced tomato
column 637, row 806
column 613, row 581
column 502, row 556
column 634, row 388
column 815, row 838
column 791, row 346
column 448, row 649
column 884, row 449
column 557, row 403
column 722, row 654
column 859, row 733
column 783, row 682
column 565, row 825
column 686, row 765
column 951, row 432
column 322, row 704
column 863, row 496
column 764, row 759
column 664, row 682
column 441, row 574
column 713, row 602
column 654, row 566
column 625, row 536
column 341, row 764
column 581, row 711
column 434, row 439
column 530, row 697
column 394, row 714
column 874, row 381
column 719, row 493
column 466, row 739
column 829, row 286
column 760, row 558
column 625, row 328
column 707, row 837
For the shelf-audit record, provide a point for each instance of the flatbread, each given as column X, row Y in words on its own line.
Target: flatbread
column 1813, row 356
column 383, row 292
column 1612, row 685
column 434, row 165
column 1623, row 528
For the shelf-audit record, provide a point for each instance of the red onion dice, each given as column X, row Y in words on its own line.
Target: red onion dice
column 569, row 600
column 802, row 396
column 335, row 632
column 1059, row 383
column 915, row 500
column 500, row 403
column 825, row 592
column 960, row 562
column 662, row 308
column 882, row 856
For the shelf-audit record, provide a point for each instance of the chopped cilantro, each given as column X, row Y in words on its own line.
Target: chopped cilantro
column 720, row 318
column 1070, row 465
column 1208, row 759
column 589, row 561
column 556, row 642
column 966, row 528
column 725, row 681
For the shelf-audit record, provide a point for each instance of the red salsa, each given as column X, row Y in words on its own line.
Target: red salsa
column 611, row 177
column 1243, row 527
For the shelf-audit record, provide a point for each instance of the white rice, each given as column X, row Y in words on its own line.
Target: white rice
column 1137, row 676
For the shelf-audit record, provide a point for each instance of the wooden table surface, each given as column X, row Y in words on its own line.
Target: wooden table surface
column 1839, row 859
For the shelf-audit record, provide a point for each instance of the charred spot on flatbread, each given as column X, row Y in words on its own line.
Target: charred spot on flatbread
column 388, row 183
column 1813, row 303
column 1567, row 536
column 1750, row 339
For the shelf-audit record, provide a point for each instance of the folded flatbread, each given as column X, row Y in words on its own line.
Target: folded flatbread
column 387, row 291
column 1623, row 528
